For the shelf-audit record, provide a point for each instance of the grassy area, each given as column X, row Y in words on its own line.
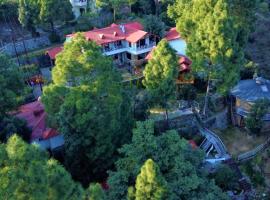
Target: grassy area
column 239, row 141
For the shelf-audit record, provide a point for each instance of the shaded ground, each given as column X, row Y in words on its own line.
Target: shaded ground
column 239, row 141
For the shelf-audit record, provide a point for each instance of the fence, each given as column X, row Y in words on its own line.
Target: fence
column 251, row 154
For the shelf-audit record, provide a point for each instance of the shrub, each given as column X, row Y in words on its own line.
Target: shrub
column 254, row 121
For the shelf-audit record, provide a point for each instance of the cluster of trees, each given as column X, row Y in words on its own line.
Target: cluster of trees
column 12, row 92
column 216, row 33
column 32, row 13
column 87, row 103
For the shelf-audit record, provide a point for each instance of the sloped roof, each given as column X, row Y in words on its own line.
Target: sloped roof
column 35, row 116
column 250, row 91
column 184, row 62
column 133, row 31
column 54, row 51
column 172, row 34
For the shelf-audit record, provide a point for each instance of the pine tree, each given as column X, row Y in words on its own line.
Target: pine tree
column 150, row 185
column 160, row 74
column 212, row 33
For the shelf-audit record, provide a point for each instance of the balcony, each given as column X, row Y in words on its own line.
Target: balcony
column 142, row 48
column 79, row 3
column 115, row 49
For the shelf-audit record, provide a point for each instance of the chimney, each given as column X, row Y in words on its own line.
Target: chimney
column 101, row 36
column 122, row 28
column 115, row 33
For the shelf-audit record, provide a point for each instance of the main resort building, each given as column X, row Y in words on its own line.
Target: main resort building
column 128, row 44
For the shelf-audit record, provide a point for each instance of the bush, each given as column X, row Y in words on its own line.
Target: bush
column 11, row 125
column 225, row 178
column 186, row 92
column 248, row 70
column 254, row 121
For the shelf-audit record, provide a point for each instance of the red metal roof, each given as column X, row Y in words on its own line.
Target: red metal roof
column 172, row 34
column 184, row 62
column 135, row 25
column 54, row 51
column 35, row 116
column 131, row 32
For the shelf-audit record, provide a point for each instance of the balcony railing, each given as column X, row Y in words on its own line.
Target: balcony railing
column 113, row 48
column 79, row 2
column 146, row 46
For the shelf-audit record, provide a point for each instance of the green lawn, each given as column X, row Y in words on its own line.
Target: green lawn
column 239, row 141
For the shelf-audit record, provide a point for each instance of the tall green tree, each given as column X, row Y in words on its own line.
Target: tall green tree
column 54, row 10
column 154, row 25
column 179, row 164
column 11, row 85
column 89, row 104
column 211, row 32
column 160, row 74
column 28, row 14
column 95, row 192
column 12, row 91
column 26, row 173
column 114, row 4
column 150, row 185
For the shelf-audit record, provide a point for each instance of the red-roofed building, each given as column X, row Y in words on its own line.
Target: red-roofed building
column 176, row 41
column 35, row 116
column 184, row 67
column 125, row 43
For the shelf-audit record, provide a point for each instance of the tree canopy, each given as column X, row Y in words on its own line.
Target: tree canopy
column 11, row 85
column 178, row 163
column 150, row 185
column 89, row 104
column 26, row 173
column 160, row 74
column 258, row 110
column 212, row 32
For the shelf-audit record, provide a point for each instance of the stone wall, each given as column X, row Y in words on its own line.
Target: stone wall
column 20, row 46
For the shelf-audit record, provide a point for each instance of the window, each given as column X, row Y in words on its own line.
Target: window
column 129, row 44
column 129, row 56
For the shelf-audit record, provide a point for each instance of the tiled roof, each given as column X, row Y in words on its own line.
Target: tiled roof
column 172, row 34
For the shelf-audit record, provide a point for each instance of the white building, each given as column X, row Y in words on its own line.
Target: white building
column 80, row 6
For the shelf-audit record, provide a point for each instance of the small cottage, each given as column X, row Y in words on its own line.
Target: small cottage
column 244, row 95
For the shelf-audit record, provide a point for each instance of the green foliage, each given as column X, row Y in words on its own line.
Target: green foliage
column 160, row 73
column 11, row 85
column 178, row 163
column 8, row 9
column 53, row 10
column 26, row 173
column 215, row 36
column 32, row 12
column 114, row 4
column 10, row 125
column 150, row 185
column 154, row 25
column 87, row 101
column 95, row 192
column 254, row 120
column 28, row 14
column 225, row 178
